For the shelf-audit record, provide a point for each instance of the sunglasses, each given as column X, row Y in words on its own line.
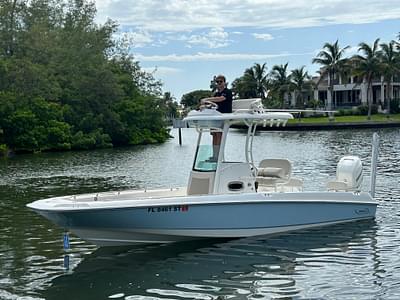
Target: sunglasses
column 219, row 81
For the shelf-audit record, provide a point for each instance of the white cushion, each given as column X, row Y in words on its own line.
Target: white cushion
column 271, row 172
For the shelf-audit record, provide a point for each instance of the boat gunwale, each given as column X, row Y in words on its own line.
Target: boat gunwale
column 69, row 205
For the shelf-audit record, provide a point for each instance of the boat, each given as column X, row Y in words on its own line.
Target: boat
column 223, row 199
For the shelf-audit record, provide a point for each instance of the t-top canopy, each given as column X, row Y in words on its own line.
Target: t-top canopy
column 210, row 118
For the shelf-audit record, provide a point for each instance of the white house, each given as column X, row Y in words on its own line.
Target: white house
column 352, row 91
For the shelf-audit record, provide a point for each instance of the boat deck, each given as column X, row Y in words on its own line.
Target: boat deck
column 129, row 195
column 163, row 193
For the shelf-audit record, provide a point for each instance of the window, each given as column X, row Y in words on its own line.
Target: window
column 205, row 161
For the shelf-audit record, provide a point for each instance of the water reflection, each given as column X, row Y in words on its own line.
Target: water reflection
column 255, row 268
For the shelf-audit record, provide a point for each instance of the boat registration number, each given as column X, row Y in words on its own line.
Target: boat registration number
column 174, row 208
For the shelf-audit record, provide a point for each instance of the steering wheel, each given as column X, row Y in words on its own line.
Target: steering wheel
column 209, row 105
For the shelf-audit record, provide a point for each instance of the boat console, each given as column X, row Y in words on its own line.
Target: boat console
column 211, row 172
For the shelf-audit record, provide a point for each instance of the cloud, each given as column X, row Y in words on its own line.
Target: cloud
column 180, row 15
column 263, row 36
column 215, row 38
column 163, row 71
column 137, row 39
column 201, row 56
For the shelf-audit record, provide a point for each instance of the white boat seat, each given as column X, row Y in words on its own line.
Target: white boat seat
column 271, row 172
column 276, row 173
column 275, row 168
column 266, row 181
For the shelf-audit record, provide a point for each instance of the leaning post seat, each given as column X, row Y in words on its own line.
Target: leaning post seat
column 275, row 168
column 277, row 173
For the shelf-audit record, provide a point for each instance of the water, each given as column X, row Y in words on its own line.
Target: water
column 350, row 261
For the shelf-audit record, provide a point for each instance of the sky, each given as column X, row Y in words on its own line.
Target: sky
column 185, row 43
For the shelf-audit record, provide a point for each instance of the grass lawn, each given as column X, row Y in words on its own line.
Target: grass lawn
column 348, row 119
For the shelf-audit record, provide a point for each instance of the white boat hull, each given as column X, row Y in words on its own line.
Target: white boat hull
column 110, row 221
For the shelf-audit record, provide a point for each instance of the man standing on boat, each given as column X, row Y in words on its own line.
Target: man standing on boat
column 223, row 98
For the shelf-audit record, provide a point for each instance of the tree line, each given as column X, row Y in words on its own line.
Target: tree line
column 66, row 83
column 378, row 59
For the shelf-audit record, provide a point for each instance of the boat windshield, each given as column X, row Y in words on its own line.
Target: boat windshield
column 206, row 154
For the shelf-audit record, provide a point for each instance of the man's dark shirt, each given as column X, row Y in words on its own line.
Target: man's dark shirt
column 226, row 105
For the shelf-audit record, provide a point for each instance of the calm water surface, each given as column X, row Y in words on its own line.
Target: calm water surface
column 352, row 261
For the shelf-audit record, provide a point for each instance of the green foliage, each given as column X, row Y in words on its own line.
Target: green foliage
column 395, row 106
column 170, row 106
column 191, row 100
column 3, row 149
column 279, row 85
column 65, row 83
column 258, row 73
column 331, row 59
column 363, row 109
column 274, row 100
column 252, row 84
column 300, row 83
column 143, row 120
column 348, row 112
column 368, row 66
column 315, row 103
column 244, row 87
column 94, row 139
column 33, row 125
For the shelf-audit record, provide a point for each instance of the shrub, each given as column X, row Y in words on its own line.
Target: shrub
column 395, row 106
column 94, row 139
column 3, row 149
column 355, row 111
column 339, row 113
column 348, row 112
column 363, row 109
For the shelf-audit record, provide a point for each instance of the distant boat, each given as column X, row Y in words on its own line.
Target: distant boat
column 223, row 199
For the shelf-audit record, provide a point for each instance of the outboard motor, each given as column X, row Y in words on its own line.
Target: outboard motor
column 349, row 171
column 348, row 175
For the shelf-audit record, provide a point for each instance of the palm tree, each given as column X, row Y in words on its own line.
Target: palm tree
column 332, row 62
column 245, row 86
column 300, row 81
column 169, row 105
column 398, row 43
column 259, row 72
column 368, row 66
column 280, row 81
column 390, row 65
column 253, row 83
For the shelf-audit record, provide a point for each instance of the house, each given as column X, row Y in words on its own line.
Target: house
column 351, row 91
